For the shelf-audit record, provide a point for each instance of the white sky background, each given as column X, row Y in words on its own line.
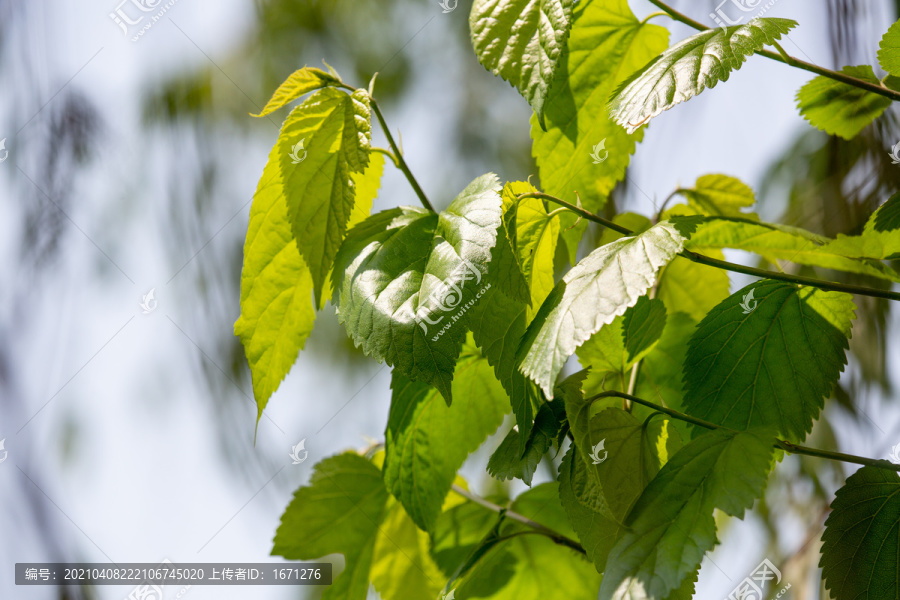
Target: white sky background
column 144, row 478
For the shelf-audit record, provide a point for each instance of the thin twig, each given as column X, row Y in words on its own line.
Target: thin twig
column 782, row 444
column 728, row 266
column 557, row 537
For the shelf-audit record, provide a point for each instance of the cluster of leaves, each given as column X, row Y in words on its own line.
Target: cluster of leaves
column 465, row 306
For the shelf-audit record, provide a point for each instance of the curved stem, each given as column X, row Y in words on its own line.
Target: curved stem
column 781, row 444
column 788, row 59
column 652, row 15
column 399, row 158
column 557, row 537
column 387, row 153
column 727, row 266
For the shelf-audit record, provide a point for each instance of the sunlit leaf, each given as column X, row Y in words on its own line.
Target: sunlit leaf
column 598, row 289
column 300, row 83
column 322, row 143
column 406, row 280
column 521, row 41
column 689, row 67
column 606, row 45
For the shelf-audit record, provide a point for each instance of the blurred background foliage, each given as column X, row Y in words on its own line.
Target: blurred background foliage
column 458, row 121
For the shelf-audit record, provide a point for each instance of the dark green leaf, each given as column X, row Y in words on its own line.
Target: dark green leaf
column 861, row 543
column 768, row 356
column 509, row 462
column 643, row 324
column 671, row 526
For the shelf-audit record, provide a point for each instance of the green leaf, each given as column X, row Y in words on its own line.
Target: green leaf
column 534, row 235
column 671, row 526
column 276, row 288
column 345, row 509
column 587, row 509
column 606, row 45
column 330, row 136
column 498, row 324
column 720, row 195
column 426, row 441
column 405, row 281
column 300, row 83
column 692, row 288
column 611, row 352
column 337, row 513
column 499, row 319
column 604, row 355
column 459, row 531
column 772, row 366
column 887, row 217
column 598, row 289
column 776, row 242
column 509, row 462
column 838, row 108
column 643, row 324
column 689, row 67
column 879, row 240
column 660, row 376
column 627, row 455
column 521, row 41
column 889, row 50
column 861, row 543
column 540, row 569
column 402, row 566
column 277, row 312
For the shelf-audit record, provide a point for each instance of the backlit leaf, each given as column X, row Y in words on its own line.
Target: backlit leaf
column 768, row 356
column 839, row 108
